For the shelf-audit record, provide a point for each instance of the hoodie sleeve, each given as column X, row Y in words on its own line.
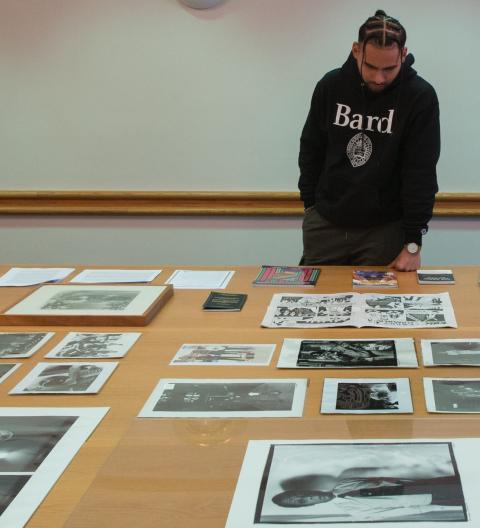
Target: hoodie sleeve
column 419, row 177
column 313, row 144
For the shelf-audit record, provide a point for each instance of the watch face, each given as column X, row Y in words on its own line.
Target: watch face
column 412, row 248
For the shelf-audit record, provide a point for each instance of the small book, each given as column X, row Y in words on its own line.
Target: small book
column 287, row 276
column 435, row 277
column 224, row 302
column 374, row 279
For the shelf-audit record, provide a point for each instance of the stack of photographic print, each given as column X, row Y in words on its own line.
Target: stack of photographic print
column 223, row 354
column 460, row 352
column 208, row 398
column 457, row 395
column 368, row 482
column 348, row 353
column 366, row 396
column 36, row 445
column 65, row 378
column 94, row 345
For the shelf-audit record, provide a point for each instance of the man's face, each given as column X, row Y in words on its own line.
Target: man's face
column 378, row 66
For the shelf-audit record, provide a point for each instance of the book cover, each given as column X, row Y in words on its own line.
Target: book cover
column 287, row 276
column 224, row 302
column 374, row 279
column 435, row 277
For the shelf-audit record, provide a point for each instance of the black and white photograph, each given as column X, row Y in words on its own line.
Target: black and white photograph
column 340, row 483
column 454, row 395
column 22, row 344
column 36, row 445
column 65, row 378
column 366, row 396
column 348, row 353
column 224, row 354
column 461, row 352
column 6, row 369
column 94, row 345
column 226, row 398
column 68, row 299
column 359, row 310
column 435, row 276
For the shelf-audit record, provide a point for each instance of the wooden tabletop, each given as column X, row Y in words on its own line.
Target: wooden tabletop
column 183, row 472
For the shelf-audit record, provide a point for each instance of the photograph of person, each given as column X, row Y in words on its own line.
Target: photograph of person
column 326, row 483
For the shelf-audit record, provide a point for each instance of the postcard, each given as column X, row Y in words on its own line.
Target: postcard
column 94, row 345
column 65, row 378
column 387, row 483
column 22, row 344
column 452, row 395
column 435, row 277
column 37, row 445
column 224, row 354
column 6, row 369
column 348, row 353
column 209, row 398
column 290, row 310
column 461, row 352
column 374, row 279
column 366, row 396
column 199, row 280
column 94, row 276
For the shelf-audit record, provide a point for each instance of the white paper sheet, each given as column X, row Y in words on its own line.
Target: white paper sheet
column 223, row 354
column 38, row 444
column 97, row 276
column 460, row 352
column 94, row 345
column 222, row 398
column 348, row 353
column 437, row 481
column 366, row 396
column 32, row 276
column 65, row 378
column 200, row 280
column 452, row 395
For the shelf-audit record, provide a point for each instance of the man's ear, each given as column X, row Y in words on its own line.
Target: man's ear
column 404, row 54
column 356, row 50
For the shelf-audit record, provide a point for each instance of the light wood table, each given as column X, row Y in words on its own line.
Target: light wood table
column 183, row 472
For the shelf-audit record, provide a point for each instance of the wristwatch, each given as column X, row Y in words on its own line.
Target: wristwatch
column 413, row 248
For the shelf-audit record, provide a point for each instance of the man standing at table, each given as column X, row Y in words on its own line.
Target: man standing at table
column 368, row 153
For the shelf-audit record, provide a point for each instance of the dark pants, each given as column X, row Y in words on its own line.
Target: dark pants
column 324, row 243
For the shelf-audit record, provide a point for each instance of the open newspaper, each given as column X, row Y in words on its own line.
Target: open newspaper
column 287, row 310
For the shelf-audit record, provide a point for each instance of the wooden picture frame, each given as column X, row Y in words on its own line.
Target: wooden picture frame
column 88, row 305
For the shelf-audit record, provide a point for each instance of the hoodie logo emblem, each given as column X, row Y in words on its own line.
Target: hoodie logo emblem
column 359, row 149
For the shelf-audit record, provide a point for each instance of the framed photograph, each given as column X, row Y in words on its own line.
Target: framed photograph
column 208, row 398
column 429, row 483
column 348, row 353
column 366, row 396
column 452, row 395
column 37, row 444
column 6, row 369
column 461, row 352
column 65, row 378
column 224, row 355
column 106, row 305
column 94, row 345
column 22, row 344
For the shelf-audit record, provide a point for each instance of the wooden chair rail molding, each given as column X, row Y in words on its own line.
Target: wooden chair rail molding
column 185, row 203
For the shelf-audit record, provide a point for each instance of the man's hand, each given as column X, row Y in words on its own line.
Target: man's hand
column 405, row 261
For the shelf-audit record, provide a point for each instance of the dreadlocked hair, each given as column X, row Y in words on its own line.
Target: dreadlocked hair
column 382, row 31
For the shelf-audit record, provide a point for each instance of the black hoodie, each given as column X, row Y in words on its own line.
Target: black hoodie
column 369, row 158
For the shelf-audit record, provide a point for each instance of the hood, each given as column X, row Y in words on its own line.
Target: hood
column 350, row 69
